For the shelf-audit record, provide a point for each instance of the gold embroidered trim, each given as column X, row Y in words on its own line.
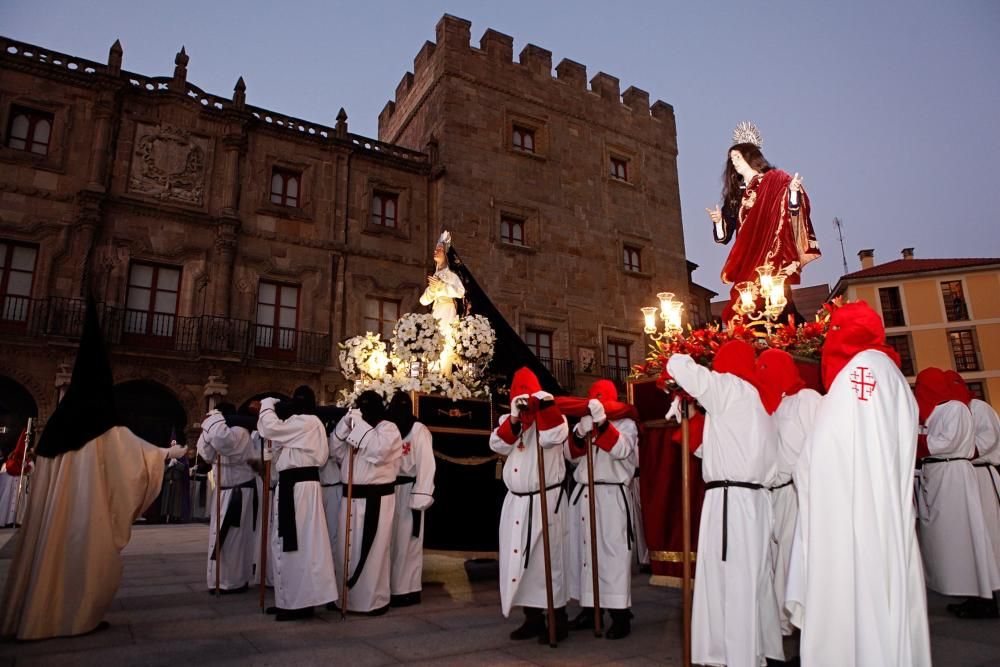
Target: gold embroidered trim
column 670, row 556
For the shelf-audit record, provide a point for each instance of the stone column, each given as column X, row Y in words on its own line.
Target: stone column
column 103, row 111
column 216, row 389
column 225, row 256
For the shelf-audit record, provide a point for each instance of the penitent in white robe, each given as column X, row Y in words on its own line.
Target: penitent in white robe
column 67, row 563
column 614, row 471
column 304, row 577
column 522, row 586
column 958, row 553
column 735, row 616
column 8, row 496
column 376, row 461
column 333, row 494
column 268, row 508
column 855, row 586
column 407, row 551
column 794, row 418
column 986, row 424
column 236, row 449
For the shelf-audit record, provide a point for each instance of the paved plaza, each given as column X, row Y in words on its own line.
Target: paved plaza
column 163, row 616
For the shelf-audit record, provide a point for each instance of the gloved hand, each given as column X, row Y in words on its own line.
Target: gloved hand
column 597, row 411
column 268, row 453
column 176, row 451
column 675, row 410
column 515, row 411
column 584, row 427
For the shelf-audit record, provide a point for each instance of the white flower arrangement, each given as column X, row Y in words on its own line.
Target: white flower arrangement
column 474, row 341
column 416, row 337
column 363, row 357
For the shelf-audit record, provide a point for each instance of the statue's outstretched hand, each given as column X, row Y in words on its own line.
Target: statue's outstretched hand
column 796, row 184
column 716, row 214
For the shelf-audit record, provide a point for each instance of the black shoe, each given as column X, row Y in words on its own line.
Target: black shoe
column 533, row 626
column 585, row 619
column 272, row 610
column 562, row 627
column 976, row 608
column 405, row 599
column 375, row 612
column 332, row 606
column 293, row 614
column 621, row 624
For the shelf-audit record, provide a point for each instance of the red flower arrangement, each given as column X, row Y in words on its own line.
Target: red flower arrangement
column 803, row 341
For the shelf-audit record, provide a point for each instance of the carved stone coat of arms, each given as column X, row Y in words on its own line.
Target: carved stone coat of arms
column 169, row 164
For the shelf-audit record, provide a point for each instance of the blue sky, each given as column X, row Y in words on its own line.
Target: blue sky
column 889, row 110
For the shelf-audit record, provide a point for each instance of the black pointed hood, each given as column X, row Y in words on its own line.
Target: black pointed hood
column 88, row 408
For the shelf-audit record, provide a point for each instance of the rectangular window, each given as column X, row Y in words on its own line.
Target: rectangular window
column 17, row 272
column 540, row 343
column 277, row 317
column 619, row 168
column 29, row 130
column 902, row 346
column 385, row 206
column 511, row 230
column 523, row 139
column 954, row 301
column 381, row 315
column 633, row 259
column 977, row 390
column 963, row 350
column 892, row 307
column 285, row 185
column 618, row 367
column 151, row 300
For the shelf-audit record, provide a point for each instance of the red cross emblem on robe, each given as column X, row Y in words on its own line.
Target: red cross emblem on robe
column 863, row 383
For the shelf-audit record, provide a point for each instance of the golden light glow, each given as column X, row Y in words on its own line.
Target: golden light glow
column 666, row 298
column 649, row 319
column 766, row 277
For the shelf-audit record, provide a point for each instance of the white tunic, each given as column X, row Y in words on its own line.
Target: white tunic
column 376, row 461
column 443, row 295
column 519, row 585
column 735, row 615
column 236, row 449
column 987, row 432
column 958, row 554
column 407, row 551
column 8, row 497
column 794, row 418
column 855, row 586
column 304, row 577
column 333, row 493
column 613, row 502
column 266, row 507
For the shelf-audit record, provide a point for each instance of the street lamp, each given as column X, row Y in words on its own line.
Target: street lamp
column 670, row 314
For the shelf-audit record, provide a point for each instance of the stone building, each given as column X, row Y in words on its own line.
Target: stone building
column 231, row 247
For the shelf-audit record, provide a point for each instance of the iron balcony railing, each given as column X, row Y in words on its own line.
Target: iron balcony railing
column 562, row 370
column 617, row 374
column 58, row 317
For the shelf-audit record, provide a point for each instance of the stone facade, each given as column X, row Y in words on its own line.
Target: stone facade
column 153, row 171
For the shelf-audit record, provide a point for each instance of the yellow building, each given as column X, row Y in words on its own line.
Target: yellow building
column 937, row 312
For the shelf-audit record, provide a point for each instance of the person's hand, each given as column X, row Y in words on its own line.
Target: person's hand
column 584, row 427
column 716, row 214
column 433, row 281
column 268, row 453
column 675, row 410
column 796, row 184
column 517, row 404
column 596, row 411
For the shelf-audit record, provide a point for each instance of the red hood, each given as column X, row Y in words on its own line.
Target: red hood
column 854, row 327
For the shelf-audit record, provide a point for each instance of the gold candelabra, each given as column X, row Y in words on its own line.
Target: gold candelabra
column 769, row 286
column 670, row 314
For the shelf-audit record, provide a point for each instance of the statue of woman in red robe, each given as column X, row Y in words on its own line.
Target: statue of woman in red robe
column 768, row 212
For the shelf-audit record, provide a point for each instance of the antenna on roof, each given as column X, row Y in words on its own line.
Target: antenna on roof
column 840, row 233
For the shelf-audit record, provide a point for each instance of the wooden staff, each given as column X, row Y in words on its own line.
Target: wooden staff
column 595, row 576
column 28, row 432
column 347, row 528
column 218, row 525
column 686, row 532
column 544, row 503
column 264, row 536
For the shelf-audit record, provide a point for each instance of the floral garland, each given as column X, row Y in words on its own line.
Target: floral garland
column 474, row 341
column 803, row 341
column 416, row 337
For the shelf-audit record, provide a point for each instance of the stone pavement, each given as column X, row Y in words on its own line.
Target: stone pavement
column 163, row 616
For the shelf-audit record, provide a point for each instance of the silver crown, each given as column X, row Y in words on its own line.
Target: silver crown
column 445, row 240
column 747, row 133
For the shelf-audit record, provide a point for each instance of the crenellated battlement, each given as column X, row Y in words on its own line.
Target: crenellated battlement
column 453, row 43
